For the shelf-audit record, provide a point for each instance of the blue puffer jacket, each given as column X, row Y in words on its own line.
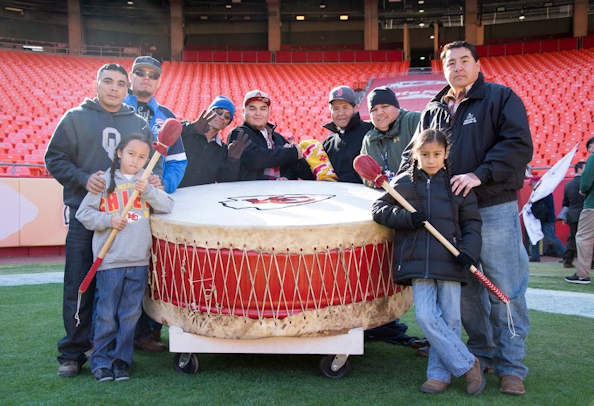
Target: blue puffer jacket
column 174, row 165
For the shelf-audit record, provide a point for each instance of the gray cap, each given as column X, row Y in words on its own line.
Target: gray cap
column 147, row 62
column 343, row 93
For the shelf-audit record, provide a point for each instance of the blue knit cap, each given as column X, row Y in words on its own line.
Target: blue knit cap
column 222, row 102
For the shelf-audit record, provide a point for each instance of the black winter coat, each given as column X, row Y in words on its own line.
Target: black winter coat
column 343, row 147
column 489, row 136
column 257, row 157
column 573, row 200
column 417, row 254
column 545, row 210
column 208, row 162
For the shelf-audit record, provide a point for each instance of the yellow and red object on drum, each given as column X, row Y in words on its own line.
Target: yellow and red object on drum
column 318, row 160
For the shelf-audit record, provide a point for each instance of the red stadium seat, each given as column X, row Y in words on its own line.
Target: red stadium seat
column 22, row 171
column 11, row 158
column 34, row 159
column 31, row 110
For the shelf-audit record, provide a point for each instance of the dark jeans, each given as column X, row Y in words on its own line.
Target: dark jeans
column 79, row 259
column 556, row 248
column 570, row 248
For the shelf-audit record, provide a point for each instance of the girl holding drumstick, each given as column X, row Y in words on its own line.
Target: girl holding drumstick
column 422, row 261
column 122, row 276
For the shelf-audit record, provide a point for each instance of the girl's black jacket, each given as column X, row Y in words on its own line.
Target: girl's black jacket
column 417, row 254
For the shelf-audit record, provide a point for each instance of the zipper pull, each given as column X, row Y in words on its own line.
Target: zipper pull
column 428, row 182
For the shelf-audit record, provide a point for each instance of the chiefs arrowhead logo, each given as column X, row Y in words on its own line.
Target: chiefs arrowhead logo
column 272, row 202
column 132, row 217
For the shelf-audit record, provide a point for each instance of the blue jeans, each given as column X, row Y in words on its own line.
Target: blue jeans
column 119, row 304
column 78, row 261
column 505, row 262
column 557, row 247
column 437, row 310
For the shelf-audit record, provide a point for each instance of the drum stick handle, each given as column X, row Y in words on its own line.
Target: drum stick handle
column 91, row 274
column 481, row 276
column 129, row 204
column 404, row 203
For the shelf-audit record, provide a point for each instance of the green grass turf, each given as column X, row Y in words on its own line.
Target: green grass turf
column 30, row 268
column 549, row 275
column 559, row 355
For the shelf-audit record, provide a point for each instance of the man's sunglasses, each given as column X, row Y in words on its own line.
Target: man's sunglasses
column 142, row 73
column 224, row 113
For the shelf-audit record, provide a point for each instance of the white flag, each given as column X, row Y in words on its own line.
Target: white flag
column 545, row 186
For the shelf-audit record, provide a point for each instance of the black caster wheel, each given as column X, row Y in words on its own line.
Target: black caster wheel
column 326, row 368
column 185, row 363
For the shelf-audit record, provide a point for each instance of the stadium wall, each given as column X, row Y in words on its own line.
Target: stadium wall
column 32, row 213
column 50, row 31
column 245, row 34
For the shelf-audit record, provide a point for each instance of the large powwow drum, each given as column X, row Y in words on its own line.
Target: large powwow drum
column 273, row 258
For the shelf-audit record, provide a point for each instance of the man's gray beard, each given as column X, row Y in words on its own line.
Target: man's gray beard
column 143, row 94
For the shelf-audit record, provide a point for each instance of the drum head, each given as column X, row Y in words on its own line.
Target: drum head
column 295, row 215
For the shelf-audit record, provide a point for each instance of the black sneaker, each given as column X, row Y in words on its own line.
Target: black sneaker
column 120, row 370
column 576, row 279
column 103, row 375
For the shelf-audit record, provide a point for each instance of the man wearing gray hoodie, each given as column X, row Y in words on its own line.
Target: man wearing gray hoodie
column 80, row 150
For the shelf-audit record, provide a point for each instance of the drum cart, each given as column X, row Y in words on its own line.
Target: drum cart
column 280, row 264
column 186, row 345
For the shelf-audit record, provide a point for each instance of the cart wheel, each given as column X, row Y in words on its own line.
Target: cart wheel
column 185, row 363
column 326, row 368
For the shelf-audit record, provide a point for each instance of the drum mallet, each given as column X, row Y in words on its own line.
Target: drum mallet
column 369, row 169
column 167, row 136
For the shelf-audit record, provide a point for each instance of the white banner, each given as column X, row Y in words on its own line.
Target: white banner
column 545, row 186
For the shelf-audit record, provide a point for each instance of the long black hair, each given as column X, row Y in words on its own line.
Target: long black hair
column 116, row 159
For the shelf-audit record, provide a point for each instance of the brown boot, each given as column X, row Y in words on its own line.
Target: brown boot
column 512, row 385
column 434, row 386
column 149, row 344
column 475, row 379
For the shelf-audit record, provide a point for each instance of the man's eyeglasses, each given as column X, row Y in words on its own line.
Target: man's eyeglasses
column 224, row 113
column 142, row 73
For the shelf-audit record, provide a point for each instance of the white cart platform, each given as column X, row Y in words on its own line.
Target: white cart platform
column 334, row 365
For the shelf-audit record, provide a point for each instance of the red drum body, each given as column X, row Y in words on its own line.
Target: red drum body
column 262, row 259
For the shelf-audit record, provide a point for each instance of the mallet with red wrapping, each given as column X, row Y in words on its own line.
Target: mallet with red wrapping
column 370, row 170
column 168, row 135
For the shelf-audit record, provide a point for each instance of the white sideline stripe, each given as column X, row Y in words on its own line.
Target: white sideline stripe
column 549, row 301
column 561, row 302
column 31, row 278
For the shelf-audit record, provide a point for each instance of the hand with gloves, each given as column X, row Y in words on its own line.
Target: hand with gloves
column 418, row 217
column 464, row 261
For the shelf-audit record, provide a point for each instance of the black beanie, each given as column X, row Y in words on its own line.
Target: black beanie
column 382, row 95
